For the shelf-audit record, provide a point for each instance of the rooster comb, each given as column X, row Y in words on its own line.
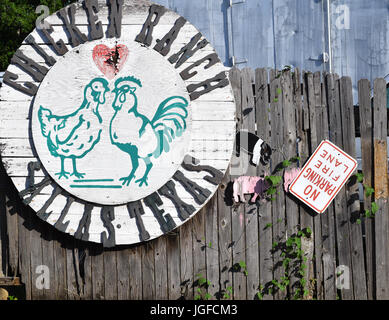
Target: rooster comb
column 129, row 78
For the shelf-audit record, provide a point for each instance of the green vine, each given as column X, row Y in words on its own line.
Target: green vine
column 202, row 286
column 369, row 213
column 294, row 262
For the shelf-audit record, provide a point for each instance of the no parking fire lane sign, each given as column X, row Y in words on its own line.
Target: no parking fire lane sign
column 323, row 176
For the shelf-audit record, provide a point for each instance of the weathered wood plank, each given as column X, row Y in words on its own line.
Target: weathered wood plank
column 110, row 275
column 12, row 240
column 224, row 202
column 3, row 236
column 173, row 263
column 250, row 209
column 290, row 137
column 306, row 214
column 48, row 261
column 123, row 272
column 161, row 283
column 277, row 143
column 212, row 245
column 352, row 193
column 264, row 210
column 381, row 189
column 237, row 216
column 186, row 260
column 97, row 254
column 317, row 133
column 366, row 131
column 24, row 224
column 327, row 219
column 36, row 261
column 148, row 271
column 136, row 273
column 341, row 215
column 199, row 256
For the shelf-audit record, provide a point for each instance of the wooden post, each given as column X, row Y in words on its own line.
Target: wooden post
column 381, row 189
column 277, row 142
column 328, row 219
column 341, row 215
column 250, row 209
column 317, row 133
column 366, row 130
column 238, row 218
column 352, row 193
column 264, row 211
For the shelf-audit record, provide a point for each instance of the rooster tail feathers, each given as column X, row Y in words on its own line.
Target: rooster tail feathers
column 171, row 108
column 170, row 122
column 44, row 116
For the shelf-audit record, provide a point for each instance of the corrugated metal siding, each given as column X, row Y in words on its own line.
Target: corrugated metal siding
column 275, row 33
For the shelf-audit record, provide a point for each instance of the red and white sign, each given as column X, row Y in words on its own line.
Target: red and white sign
column 323, row 176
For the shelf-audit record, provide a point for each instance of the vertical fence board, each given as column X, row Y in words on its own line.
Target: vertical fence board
column 173, row 262
column 12, row 241
column 238, row 213
column 199, row 264
column 250, row 209
column 110, row 275
column 24, row 224
column 352, row 193
column 123, row 272
column 186, row 244
column 328, row 219
column 48, row 261
column 341, row 215
column 212, row 245
column 161, row 292
column 381, row 189
column 317, row 133
column 96, row 254
column 306, row 219
column 59, row 271
column 366, row 130
column 278, row 206
column 224, row 218
column 290, row 137
column 148, row 271
column 136, row 273
column 264, row 210
column 36, row 261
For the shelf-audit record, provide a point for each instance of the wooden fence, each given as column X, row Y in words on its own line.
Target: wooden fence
column 246, row 251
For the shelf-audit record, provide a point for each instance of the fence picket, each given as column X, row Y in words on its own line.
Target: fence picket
column 381, row 189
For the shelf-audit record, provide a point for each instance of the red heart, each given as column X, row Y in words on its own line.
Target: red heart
column 110, row 61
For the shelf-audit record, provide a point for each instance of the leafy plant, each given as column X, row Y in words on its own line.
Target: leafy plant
column 203, row 284
column 368, row 191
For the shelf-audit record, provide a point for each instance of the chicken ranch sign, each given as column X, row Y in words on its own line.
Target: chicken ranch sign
column 118, row 121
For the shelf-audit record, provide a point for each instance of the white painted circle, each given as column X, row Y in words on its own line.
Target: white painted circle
column 209, row 136
column 64, row 105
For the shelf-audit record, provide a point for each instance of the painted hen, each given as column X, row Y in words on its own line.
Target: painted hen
column 75, row 135
column 153, row 137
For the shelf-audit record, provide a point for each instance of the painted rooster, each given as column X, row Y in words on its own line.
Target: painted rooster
column 152, row 137
column 75, row 135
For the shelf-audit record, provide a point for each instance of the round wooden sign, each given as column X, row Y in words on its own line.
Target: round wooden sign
column 118, row 121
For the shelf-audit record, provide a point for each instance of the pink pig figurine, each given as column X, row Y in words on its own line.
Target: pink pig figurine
column 248, row 185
